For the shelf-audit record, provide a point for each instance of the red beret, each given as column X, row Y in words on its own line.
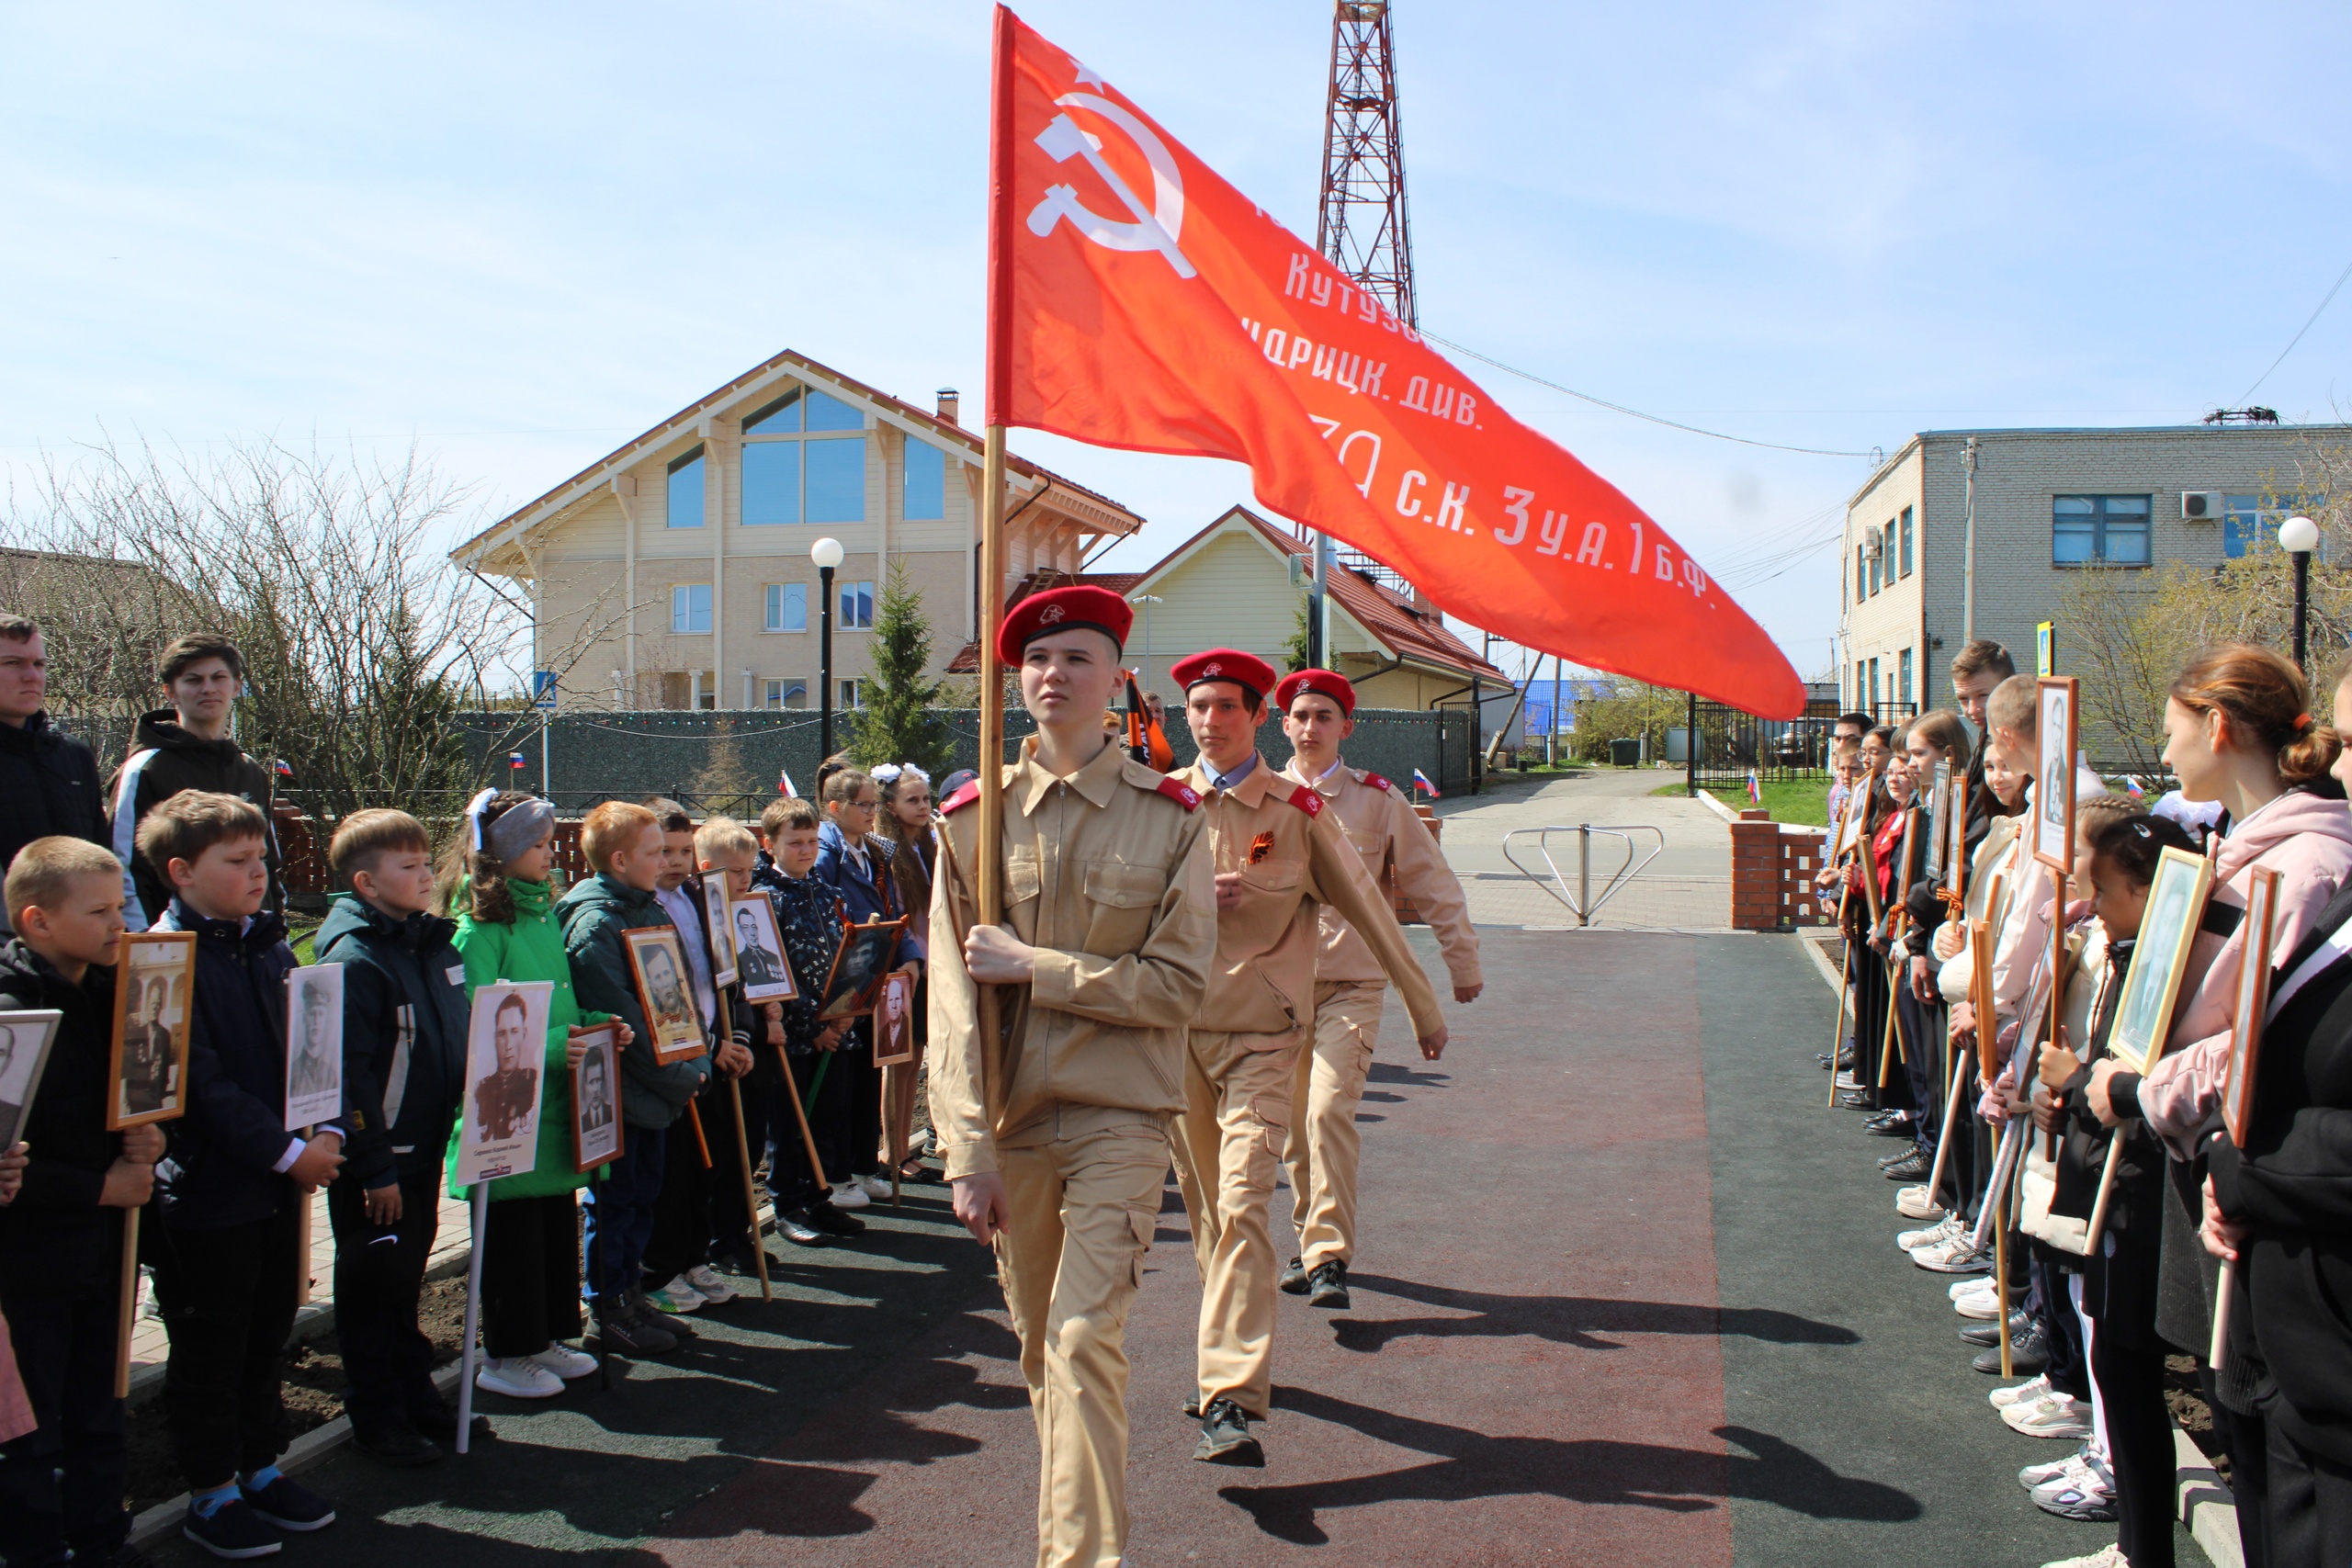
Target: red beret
column 1060, row 609
column 1323, row 683
column 1247, row 671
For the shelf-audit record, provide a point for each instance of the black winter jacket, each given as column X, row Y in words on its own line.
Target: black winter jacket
column 164, row 760
column 404, row 1009
column 51, row 783
column 221, row 1168
column 54, row 1239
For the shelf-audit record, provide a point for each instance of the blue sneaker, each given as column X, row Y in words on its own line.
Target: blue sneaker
column 288, row 1506
column 232, row 1531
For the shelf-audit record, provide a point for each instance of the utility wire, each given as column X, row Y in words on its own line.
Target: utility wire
column 2283, row 353
column 1634, row 414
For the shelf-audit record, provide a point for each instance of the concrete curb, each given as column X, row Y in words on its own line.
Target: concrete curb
column 1707, row 799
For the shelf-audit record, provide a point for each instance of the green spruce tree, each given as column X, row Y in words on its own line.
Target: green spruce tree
column 1294, row 652
column 901, row 721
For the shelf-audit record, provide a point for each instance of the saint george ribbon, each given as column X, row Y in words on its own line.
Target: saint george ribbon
column 1137, row 300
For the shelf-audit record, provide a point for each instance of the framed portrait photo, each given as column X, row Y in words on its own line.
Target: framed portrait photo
column 1850, row 815
column 2176, row 911
column 665, row 990
column 1904, row 846
column 1939, row 813
column 313, row 1046
column 859, row 967
column 2252, row 1001
column 148, row 1062
column 894, row 1022
column 759, row 951
column 722, row 932
column 25, row 1039
column 507, row 1042
column 2053, row 776
column 596, row 1098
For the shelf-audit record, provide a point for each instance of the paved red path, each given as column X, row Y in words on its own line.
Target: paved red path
column 1531, row 1373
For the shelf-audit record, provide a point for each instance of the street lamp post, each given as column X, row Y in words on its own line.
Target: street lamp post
column 1147, row 601
column 2299, row 536
column 827, row 553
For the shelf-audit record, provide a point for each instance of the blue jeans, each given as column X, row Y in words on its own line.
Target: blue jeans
column 620, row 1216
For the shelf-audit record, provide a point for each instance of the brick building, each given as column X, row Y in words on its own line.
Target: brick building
column 2048, row 503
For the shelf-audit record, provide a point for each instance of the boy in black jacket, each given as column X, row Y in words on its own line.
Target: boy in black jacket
column 403, row 1071
column 60, row 1242
column 228, row 1257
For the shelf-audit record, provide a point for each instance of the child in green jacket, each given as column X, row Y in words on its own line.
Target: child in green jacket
column 495, row 883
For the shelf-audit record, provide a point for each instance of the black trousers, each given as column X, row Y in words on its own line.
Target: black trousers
column 60, row 1483
column 228, row 1294
column 1923, row 1036
column 379, row 1275
column 730, row 1220
column 2139, row 1439
column 791, row 1184
column 2310, row 1507
column 530, row 1274
column 2247, row 1437
column 847, row 1118
column 686, row 1229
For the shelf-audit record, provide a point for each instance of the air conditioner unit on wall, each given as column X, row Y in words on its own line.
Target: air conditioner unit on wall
column 2200, row 506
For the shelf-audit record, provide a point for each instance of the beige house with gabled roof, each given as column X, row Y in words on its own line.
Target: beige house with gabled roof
column 673, row 572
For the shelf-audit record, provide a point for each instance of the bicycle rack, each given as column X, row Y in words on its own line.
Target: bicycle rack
column 1582, row 904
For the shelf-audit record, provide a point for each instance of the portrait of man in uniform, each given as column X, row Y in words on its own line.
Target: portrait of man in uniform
column 146, row 1051
column 505, row 1099
column 669, row 1010
column 506, row 1050
column 894, row 1022
column 314, row 1045
column 595, row 1099
column 151, row 1027
column 24, row 1047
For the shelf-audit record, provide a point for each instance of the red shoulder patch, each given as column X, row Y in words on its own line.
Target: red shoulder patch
column 1376, row 782
column 1307, row 800
column 1180, row 792
column 961, row 798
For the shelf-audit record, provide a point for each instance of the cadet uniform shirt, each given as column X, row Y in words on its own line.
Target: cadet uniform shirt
column 1386, row 831
column 1292, row 856
column 1106, row 874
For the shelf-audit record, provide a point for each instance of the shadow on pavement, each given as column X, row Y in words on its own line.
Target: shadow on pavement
column 1596, row 1470
column 1568, row 1320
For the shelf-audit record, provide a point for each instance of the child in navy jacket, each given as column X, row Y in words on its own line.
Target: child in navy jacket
column 228, row 1257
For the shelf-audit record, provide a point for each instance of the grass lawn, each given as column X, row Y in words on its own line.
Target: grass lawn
column 1804, row 802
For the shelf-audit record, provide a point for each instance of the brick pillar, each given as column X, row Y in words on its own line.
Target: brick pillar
column 1755, row 872
column 1801, row 856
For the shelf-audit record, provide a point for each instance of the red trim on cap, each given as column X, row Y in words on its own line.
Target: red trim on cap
column 961, row 798
column 1307, row 800
column 1180, row 792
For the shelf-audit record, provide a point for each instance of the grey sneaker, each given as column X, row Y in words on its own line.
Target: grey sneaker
column 1331, row 1286
column 1225, row 1438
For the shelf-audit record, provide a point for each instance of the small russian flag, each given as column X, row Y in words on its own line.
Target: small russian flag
column 1422, row 780
column 514, row 759
column 784, row 782
column 285, row 769
column 1755, row 789
column 2133, row 785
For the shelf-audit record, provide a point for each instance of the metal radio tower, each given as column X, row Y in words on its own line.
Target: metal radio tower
column 1362, row 225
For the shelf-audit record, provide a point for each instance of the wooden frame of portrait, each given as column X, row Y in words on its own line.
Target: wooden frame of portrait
column 1956, row 848
column 2054, row 774
column 30, row 1067
column 170, row 957
column 677, row 1036
column 893, row 984
column 603, row 1042
column 854, row 982
column 2175, row 912
column 2252, row 1002
column 784, row 987
column 1940, row 811
column 722, row 935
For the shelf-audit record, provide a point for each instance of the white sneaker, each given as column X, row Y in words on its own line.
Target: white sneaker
column 2052, row 1415
column 1982, row 1307
column 876, row 1186
column 2084, row 1475
column 1959, row 1254
column 677, row 1296
column 850, row 1195
column 2108, row 1556
column 564, row 1361
column 2035, row 1475
column 1918, row 1203
column 707, row 1283
column 1969, row 1287
column 518, row 1377
column 2022, row 1394
column 1928, row 1236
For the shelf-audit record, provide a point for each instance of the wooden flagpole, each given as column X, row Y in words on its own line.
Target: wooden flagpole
column 744, row 1148
column 1845, row 990
column 808, row 1139
column 987, row 870
column 127, row 1309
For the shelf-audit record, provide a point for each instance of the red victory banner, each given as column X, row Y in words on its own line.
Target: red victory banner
column 1137, row 300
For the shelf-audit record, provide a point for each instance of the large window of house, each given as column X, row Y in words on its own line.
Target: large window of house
column 1902, row 674
column 853, row 694
column 1887, row 553
column 690, row 609
column 856, row 611
column 782, row 692
column 926, row 487
column 685, row 491
column 804, row 461
column 2100, row 530
column 2247, row 518
column 1903, row 530
column 788, row 607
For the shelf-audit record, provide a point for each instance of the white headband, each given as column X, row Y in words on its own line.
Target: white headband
column 889, row 772
column 474, row 809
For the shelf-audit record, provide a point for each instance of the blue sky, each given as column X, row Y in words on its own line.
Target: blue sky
column 518, row 235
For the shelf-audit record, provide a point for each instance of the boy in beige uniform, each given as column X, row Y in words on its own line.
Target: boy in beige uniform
column 1056, row 1136
column 1279, row 857
column 1318, row 712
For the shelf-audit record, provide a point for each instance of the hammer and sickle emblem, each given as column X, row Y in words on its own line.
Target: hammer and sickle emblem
column 1154, row 227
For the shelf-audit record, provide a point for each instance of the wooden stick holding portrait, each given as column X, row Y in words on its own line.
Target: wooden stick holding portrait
column 498, row 1129
column 2246, row 1050
column 743, row 1149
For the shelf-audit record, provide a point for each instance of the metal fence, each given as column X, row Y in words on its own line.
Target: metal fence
column 1732, row 743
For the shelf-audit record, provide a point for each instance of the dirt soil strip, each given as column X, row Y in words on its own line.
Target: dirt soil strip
column 1529, row 1374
